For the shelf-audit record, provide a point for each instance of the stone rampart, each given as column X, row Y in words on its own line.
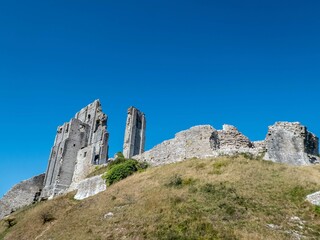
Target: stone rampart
column 21, row 195
column 201, row 142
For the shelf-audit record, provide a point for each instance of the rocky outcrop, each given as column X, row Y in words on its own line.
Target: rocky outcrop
column 21, row 195
column 314, row 198
column 291, row 143
column 89, row 187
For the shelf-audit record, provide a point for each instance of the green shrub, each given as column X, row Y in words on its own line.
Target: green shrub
column 120, row 169
column 119, row 159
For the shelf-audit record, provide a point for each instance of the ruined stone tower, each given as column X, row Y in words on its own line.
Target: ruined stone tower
column 81, row 142
column 291, row 143
column 134, row 138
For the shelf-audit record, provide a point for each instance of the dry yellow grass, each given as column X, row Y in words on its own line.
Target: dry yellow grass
column 223, row 198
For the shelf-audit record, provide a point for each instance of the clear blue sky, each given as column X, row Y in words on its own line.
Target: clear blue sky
column 183, row 63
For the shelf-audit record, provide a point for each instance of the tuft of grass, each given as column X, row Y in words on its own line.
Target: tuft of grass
column 247, row 156
column 317, row 210
column 175, row 181
column 219, row 165
column 297, row 194
column 98, row 171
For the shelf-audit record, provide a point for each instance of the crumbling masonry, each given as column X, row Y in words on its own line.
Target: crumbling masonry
column 286, row 142
column 134, row 137
column 80, row 143
column 291, row 143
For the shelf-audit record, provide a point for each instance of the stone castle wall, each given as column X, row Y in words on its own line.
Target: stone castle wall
column 201, row 142
column 194, row 142
column 21, row 195
column 289, row 143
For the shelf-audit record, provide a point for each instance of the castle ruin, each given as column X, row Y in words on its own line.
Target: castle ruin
column 82, row 143
column 134, row 137
column 291, row 143
column 286, row 142
column 79, row 143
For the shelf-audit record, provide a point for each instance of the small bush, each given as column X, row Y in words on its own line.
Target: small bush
column 120, row 169
column 118, row 159
column 47, row 217
column 10, row 221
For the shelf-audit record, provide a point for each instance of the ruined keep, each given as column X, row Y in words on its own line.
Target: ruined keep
column 291, row 143
column 134, row 137
column 79, row 144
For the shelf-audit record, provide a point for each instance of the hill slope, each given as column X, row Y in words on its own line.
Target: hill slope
column 224, row 198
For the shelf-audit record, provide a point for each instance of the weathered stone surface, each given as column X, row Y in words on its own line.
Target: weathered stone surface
column 134, row 137
column 230, row 141
column 261, row 145
column 22, row 194
column 291, row 143
column 194, row 142
column 286, row 142
column 230, row 138
column 314, row 198
column 89, row 187
column 79, row 143
column 84, row 165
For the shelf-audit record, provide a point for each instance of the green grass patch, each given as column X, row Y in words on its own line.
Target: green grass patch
column 219, row 165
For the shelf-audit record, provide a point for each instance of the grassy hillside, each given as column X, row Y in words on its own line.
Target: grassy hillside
column 224, row 198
